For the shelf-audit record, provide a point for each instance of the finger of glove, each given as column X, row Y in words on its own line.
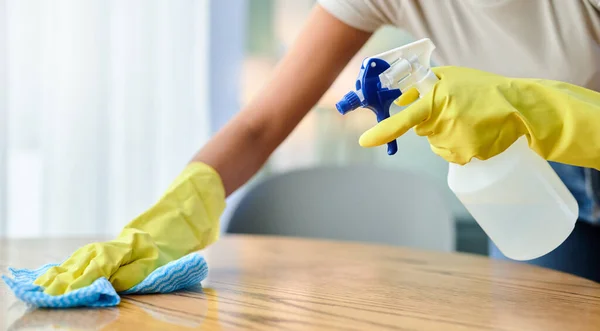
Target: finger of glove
column 397, row 125
column 60, row 283
column 97, row 268
column 105, row 262
column 407, row 97
column 72, row 264
column 48, row 277
column 87, row 265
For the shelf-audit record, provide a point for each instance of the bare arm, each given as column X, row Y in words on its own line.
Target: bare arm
column 320, row 53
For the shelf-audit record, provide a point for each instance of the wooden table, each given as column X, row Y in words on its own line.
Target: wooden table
column 264, row 283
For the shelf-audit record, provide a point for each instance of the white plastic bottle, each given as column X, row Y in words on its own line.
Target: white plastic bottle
column 516, row 197
column 518, row 200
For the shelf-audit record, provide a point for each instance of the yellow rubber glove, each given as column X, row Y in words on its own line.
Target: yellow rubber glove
column 475, row 114
column 184, row 220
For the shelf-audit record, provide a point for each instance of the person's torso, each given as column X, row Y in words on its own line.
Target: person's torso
column 549, row 39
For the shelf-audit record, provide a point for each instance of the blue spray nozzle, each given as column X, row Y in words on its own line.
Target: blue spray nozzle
column 383, row 77
column 370, row 94
column 349, row 102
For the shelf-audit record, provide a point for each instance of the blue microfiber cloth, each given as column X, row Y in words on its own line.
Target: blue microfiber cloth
column 176, row 275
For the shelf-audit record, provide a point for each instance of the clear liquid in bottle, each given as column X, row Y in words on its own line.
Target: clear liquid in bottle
column 518, row 200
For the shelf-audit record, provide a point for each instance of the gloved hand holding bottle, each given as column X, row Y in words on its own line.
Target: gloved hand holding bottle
column 184, row 220
column 475, row 114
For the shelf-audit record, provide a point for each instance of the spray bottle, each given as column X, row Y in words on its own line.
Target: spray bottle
column 516, row 197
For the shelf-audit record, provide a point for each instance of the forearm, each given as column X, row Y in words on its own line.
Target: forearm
column 234, row 153
column 245, row 143
column 321, row 51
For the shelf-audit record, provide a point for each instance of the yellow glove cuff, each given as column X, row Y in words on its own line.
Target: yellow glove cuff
column 187, row 216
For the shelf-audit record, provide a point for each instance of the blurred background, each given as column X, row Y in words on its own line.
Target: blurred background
column 102, row 103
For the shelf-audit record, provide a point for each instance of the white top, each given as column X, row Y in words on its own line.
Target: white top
column 550, row 39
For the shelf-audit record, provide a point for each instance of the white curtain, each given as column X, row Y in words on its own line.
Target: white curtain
column 102, row 102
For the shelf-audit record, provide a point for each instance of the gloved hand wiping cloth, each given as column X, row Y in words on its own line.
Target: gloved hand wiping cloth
column 183, row 221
